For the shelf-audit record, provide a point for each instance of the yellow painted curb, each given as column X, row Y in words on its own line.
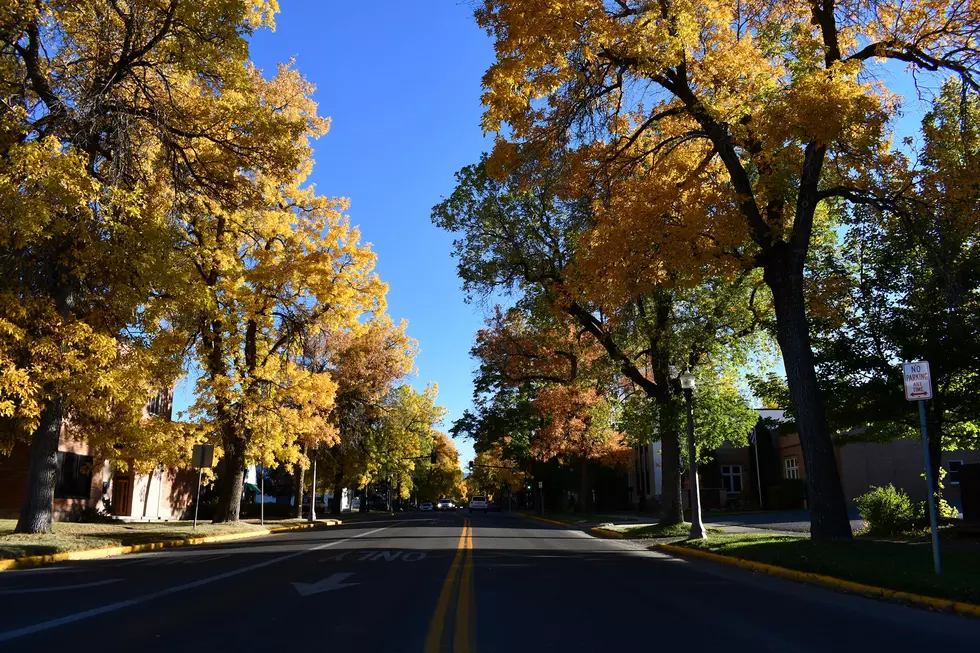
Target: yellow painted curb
column 607, row 533
column 108, row 552
column 826, row 581
column 547, row 521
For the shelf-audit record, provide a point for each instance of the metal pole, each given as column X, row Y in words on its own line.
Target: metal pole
column 697, row 528
column 262, row 490
column 197, row 503
column 313, row 492
column 931, row 498
column 758, row 472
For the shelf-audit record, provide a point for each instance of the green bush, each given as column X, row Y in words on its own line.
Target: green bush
column 887, row 510
column 944, row 511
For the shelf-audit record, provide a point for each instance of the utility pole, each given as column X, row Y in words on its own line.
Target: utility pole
column 918, row 388
column 313, row 490
column 697, row 527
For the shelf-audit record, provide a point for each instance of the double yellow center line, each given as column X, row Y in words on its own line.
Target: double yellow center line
column 463, row 641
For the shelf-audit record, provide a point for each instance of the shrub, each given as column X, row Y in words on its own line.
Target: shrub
column 944, row 511
column 887, row 510
column 90, row 515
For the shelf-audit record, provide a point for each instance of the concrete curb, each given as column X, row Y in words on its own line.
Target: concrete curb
column 608, row 533
column 826, row 581
column 108, row 552
column 547, row 521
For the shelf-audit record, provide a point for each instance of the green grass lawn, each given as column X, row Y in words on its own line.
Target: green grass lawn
column 74, row 537
column 650, row 531
column 905, row 566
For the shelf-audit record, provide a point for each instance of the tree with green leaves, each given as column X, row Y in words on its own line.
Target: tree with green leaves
column 908, row 271
column 522, row 238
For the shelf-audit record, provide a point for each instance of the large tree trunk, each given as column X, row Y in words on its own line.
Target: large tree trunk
column 231, row 482
column 671, row 507
column 42, row 473
column 671, row 504
column 585, row 488
column 35, row 512
column 828, row 510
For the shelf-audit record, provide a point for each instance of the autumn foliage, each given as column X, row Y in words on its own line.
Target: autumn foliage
column 154, row 202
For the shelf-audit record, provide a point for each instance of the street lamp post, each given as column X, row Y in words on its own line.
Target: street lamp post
column 697, row 527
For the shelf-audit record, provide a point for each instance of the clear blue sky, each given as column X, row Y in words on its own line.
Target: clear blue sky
column 401, row 82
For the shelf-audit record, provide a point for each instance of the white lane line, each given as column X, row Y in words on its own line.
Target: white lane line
column 112, row 607
column 37, row 590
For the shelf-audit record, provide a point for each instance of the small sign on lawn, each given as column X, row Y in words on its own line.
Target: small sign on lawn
column 918, row 382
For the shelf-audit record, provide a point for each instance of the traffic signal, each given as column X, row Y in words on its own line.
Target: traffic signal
column 432, row 457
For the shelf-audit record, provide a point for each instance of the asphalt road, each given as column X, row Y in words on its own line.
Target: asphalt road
column 444, row 582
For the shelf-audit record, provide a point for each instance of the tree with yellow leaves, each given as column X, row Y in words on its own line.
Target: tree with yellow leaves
column 444, row 478
column 366, row 361
column 401, row 438
column 260, row 278
column 493, row 473
column 111, row 114
column 716, row 129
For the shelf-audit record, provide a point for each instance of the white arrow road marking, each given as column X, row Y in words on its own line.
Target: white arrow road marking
column 37, row 590
column 334, row 582
column 112, row 607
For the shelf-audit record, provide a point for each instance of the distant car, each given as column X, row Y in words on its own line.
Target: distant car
column 445, row 504
column 479, row 503
column 427, row 506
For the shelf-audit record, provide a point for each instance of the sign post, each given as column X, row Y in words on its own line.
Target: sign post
column 918, row 387
column 202, row 456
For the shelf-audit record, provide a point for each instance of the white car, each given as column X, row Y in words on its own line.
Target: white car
column 479, row 503
column 445, row 504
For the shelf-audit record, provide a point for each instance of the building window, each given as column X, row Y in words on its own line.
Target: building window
column 74, row 476
column 731, row 478
column 791, row 467
column 159, row 404
column 953, row 477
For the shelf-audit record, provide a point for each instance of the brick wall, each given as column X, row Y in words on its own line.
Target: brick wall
column 899, row 462
column 13, row 472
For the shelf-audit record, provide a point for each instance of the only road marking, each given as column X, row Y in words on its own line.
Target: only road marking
column 334, row 582
column 433, row 641
column 462, row 639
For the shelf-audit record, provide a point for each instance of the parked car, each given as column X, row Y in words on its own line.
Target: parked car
column 445, row 504
column 427, row 506
column 479, row 503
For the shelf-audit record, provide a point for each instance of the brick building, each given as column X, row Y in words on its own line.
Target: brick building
column 82, row 483
column 732, row 478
